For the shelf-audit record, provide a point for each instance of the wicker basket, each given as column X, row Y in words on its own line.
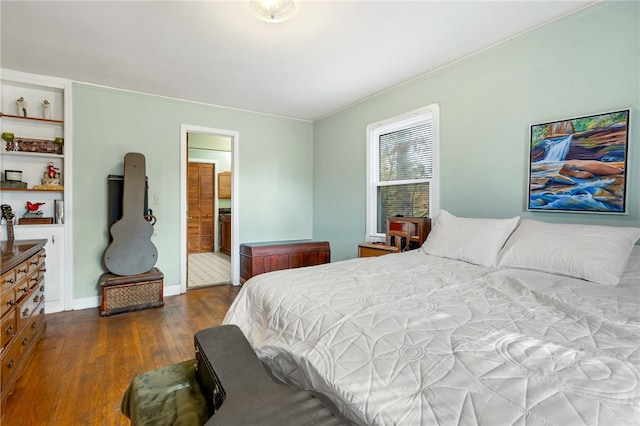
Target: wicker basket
column 131, row 293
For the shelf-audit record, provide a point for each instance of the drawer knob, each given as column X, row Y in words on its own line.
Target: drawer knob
column 10, row 363
column 25, row 313
column 44, row 269
column 10, row 281
column 24, row 289
column 41, row 311
column 36, row 299
column 34, row 324
column 33, row 262
column 41, row 288
column 11, row 302
column 25, row 341
column 9, row 330
column 24, row 271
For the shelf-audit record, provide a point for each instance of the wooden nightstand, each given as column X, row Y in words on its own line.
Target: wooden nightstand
column 372, row 250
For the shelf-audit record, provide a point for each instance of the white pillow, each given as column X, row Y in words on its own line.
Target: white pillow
column 591, row 252
column 471, row 240
column 631, row 274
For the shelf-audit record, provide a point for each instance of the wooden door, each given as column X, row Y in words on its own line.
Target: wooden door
column 200, row 207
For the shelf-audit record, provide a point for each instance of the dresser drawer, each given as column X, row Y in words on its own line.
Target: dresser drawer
column 8, row 280
column 8, row 327
column 35, row 261
column 21, row 290
column 12, row 355
column 22, row 270
column 7, row 301
column 32, row 324
column 29, row 306
column 35, row 277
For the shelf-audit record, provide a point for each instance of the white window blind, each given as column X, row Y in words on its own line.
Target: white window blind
column 402, row 164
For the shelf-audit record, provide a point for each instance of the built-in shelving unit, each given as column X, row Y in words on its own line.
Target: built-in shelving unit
column 39, row 139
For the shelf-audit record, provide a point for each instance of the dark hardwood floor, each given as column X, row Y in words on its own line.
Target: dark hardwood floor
column 85, row 362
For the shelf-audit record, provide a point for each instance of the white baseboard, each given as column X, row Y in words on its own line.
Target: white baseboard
column 172, row 290
column 86, row 303
column 53, row 307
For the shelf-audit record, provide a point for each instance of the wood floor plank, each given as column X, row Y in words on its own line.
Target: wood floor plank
column 85, row 362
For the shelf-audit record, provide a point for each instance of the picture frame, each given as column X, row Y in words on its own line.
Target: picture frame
column 579, row 165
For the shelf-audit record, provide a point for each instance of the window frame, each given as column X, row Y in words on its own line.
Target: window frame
column 374, row 130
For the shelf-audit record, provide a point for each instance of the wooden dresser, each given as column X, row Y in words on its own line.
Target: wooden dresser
column 258, row 258
column 22, row 321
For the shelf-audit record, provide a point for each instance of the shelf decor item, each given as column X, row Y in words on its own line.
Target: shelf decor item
column 47, row 146
column 13, row 175
column 9, row 138
column 33, row 215
column 22, row 106
column 35, row 221
column 33, row 209
column 51, row 178
column 580, row 164
column 46, row 110
column 13, row 185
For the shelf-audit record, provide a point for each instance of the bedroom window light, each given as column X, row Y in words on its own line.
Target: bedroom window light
column 402, row 166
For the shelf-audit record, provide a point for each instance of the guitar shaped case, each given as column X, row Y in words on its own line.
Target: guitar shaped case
column 131, row 251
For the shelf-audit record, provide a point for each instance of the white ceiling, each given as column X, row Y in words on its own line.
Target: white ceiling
column 331, row 54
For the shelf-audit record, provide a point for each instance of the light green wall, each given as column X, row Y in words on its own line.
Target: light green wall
column 300, row 180
column 583, row 64
column 275, row 172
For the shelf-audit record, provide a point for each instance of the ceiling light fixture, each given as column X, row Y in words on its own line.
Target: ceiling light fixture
column 273, row 10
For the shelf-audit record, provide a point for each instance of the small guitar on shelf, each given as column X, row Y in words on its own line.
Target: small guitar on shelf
column 131, row 251
column 7, row 214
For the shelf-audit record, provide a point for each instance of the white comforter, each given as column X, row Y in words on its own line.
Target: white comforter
column 412, row 339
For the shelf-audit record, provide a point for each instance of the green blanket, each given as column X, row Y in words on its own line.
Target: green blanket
column 167, row 396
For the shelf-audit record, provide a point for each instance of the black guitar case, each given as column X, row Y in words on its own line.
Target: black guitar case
column 131, row 251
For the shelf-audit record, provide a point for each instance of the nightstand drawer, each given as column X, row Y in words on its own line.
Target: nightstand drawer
column 372, row 250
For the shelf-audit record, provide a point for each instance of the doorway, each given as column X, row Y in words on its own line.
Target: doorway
column 207, row 262
column 208, row 155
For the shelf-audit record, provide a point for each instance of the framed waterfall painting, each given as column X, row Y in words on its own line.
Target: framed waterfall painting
column 579, row 164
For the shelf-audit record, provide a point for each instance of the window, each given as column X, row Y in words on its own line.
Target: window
column 402, row 154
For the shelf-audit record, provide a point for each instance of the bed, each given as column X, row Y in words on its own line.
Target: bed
column 491, row 322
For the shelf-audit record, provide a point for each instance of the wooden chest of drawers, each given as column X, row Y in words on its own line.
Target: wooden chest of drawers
column 258, row 258
column 22, row 321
